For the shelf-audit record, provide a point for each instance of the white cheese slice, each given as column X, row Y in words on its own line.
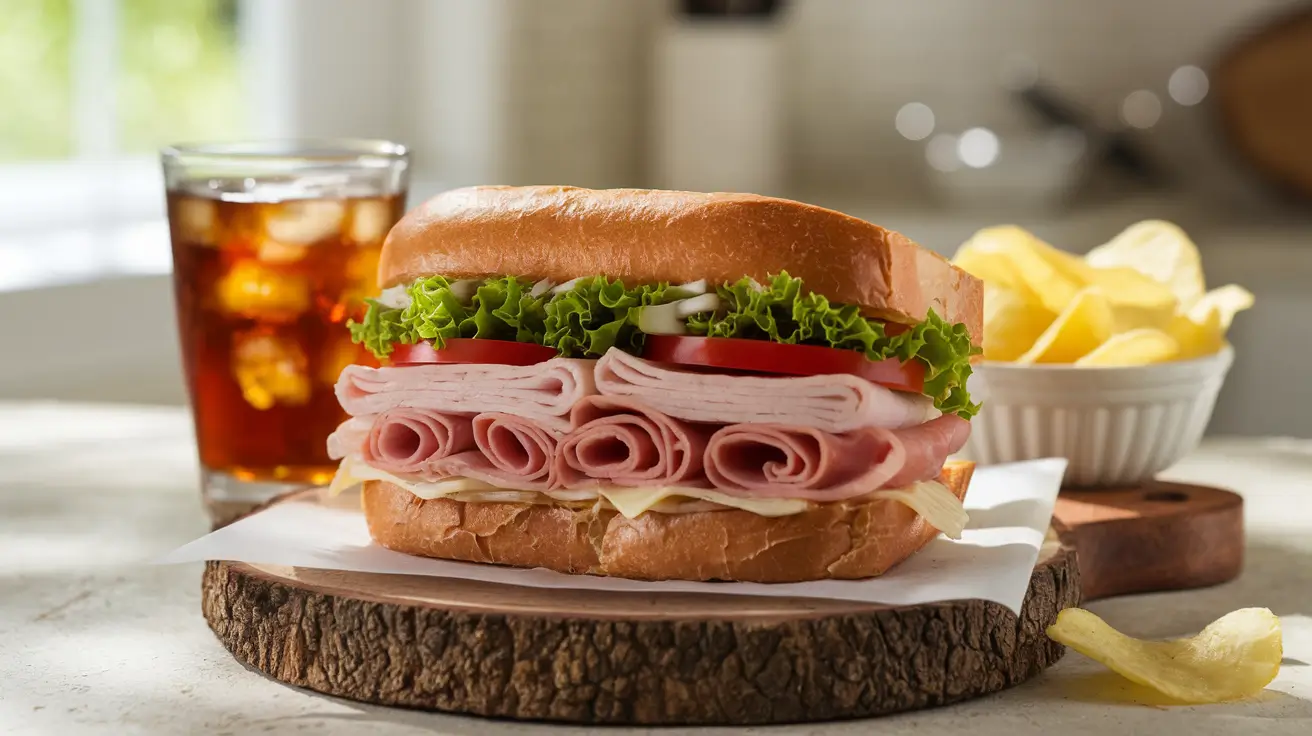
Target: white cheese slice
column 930, row 499
column 632, row 502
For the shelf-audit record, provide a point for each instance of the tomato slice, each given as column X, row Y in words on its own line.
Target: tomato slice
column 472, row 350
column 763, row 356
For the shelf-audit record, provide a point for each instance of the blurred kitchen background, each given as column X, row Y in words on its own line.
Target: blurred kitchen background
column 933, row 118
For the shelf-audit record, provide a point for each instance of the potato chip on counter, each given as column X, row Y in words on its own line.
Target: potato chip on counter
column 1138, row 299
column 1236, row 656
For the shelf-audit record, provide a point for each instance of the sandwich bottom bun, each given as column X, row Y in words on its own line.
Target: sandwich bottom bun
column 844, row 540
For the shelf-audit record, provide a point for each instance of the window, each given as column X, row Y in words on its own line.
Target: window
column 108, row 78
column 90, row 89
column 102, row 85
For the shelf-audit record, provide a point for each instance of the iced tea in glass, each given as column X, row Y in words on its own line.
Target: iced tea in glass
column 275, row 246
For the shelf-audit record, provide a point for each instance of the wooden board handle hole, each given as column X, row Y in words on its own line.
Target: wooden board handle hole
column 1166, row 496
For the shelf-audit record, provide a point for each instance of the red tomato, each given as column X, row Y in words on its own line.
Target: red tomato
column 470, row 350
column 763, row 356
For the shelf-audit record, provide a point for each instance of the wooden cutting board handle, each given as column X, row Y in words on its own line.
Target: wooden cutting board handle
column 1160, row 536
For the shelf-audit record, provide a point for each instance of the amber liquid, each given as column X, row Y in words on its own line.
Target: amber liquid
column 263, row 294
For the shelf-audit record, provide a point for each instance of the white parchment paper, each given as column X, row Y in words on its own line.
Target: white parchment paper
column 1010, row 507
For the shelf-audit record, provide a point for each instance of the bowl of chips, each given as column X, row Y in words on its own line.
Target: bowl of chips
column 1113, row 360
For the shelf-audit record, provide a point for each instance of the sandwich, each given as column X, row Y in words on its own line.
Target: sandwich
column 659, row 385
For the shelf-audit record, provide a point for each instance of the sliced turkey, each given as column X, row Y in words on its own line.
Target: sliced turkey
column 624, row 442
column 544, row 392
column 790, row 461
column 833, row 403
column 350, row 436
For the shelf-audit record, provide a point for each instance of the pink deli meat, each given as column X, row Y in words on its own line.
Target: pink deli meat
column 405, row 440
column 624, row 442
column 544, row 392
column 832, row 403
column 349, row 437
column 788, row 461
column 513, row 453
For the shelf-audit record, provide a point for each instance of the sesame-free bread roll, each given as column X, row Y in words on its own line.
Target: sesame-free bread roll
column 853, row 539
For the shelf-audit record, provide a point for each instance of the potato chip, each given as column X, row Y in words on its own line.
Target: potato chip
column 1084, row 325
column 1235, row 656
column 1227, row 300
column 1198, row 338
column 1139, row 297
column 1011, row 323
column 1135, row 347
column 1157, row 249
column 1013, row 258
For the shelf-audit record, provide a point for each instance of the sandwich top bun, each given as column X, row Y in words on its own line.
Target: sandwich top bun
column 647, row 236
column 846, row 540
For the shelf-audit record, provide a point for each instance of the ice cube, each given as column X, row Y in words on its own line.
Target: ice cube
column 370, row 221
column 255, row 291
column 270, row 369
column 304, row 222
column 196, row 220
column 276, row 251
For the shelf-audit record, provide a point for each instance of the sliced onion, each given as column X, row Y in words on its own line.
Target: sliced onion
column 464, row 289
column 396, row 297
column 697, row 304
column 692, row 288
column 541, row 288
column 669, row 319
column 562, row 288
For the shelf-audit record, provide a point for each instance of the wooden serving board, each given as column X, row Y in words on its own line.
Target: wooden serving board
column 591, row 657
column 1159, row 536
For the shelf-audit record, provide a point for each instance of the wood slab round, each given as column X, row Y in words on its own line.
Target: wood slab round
column 593, row 657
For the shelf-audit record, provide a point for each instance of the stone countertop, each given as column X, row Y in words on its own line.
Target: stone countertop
column 92, row 640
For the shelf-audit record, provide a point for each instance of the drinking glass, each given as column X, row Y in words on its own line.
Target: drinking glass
column 275, row 247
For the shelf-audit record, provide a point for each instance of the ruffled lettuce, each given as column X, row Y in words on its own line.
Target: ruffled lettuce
column 783, row 312
column 501, row 309
column 596, row 314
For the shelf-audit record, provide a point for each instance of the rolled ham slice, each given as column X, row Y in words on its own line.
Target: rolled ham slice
column 830, row 403
column 405, row 440
column 513, row 453
column 789, row 461
column 624, row 442
column 543, row 393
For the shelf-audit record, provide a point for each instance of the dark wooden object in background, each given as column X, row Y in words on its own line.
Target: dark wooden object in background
column 1263, row 90
column 1162, row 536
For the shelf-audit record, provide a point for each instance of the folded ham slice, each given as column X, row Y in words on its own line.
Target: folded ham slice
column 832, row 403
column 789, row 461
column 405, row 440
column 543, row 392
column 513, row 453
column 624, row 442
column 349, row 437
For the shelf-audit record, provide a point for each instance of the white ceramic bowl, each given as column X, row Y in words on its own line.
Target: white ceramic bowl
column 1115, row 426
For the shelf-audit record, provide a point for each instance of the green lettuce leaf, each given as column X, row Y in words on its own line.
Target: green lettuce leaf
column 501, row 309
column 596, row 314
column 783, row 312
column 380, row 329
